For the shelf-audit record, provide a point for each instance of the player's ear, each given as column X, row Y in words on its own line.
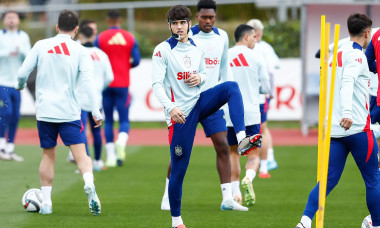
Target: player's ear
column 169, row 25
column 76, row 30
column 246, row 36
column 57, row 28
column 189, row 23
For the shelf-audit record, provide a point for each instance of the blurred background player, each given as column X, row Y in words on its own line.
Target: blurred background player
column 249, row 71
column 62, row 63
column 272, row 61
column 177, row 73
column 14, row 46
column 350, row 130
column 214, row 42
column 103, row 76
column 120, row 46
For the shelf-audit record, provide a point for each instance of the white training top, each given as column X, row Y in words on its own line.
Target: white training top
column 271, row 61
column 215, row 46
column 351, row 94
column 103, row 76
column 250, row 72
column 61, row 64
column 12, row 42
column 173, row 62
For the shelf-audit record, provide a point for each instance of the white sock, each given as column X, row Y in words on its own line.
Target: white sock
column 306, row 221
column 235, row 188
column 2, row 143
column 46, row 195
column 226, row 191
column 270, row 154
column 110, row 148
column 166, row 193
column 250, row 173
column 9, row 148
column 240, row 136
column 176, row 221
column 88, row 178
column 123, row 138
column 263, row 166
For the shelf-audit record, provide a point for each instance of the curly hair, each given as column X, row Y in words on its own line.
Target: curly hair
column 178, row 12
column 206, row 4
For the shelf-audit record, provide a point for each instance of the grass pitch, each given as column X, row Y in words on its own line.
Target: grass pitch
column 131, row 195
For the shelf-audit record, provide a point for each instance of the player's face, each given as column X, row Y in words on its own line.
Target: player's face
column 94, row 28
column 367, row 36
column 11, row 21
column 181, row 28
column 206, row 19
column 251, row 39
column 259, row 35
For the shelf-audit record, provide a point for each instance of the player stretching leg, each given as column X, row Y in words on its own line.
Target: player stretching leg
column 350, row 122
column 62, row 64
column 210, row 39
column 179, row 70
column 249, row 71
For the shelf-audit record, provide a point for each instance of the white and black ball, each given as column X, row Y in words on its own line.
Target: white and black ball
column 32, row 200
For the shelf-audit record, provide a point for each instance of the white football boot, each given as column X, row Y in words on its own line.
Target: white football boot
column 93, row 200
column 230, row 204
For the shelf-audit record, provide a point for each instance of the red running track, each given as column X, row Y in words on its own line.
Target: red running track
column 154, row 137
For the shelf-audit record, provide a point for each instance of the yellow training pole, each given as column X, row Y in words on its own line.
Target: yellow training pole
column 326, row 149
column 321, row 94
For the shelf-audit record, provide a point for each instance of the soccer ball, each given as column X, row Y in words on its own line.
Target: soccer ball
column 367, row 222
column 32, row 200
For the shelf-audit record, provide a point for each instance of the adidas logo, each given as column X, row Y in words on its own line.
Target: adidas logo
column 158, row 54
column 239, row 61
column 117, row 39
column 58, row 51
column 95, row 56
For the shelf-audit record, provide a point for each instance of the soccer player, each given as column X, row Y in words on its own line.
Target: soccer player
column 214, row 42
column 350, row 121
column 272, row 61
column 249, row 71
column 62, row 63
column 103, row 76
column 120, row 46
column 178, row 72
column 14, row 46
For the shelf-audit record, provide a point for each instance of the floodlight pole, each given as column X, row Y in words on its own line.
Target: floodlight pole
column 131, row 19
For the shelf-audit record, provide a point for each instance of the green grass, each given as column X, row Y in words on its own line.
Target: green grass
column 131, row 195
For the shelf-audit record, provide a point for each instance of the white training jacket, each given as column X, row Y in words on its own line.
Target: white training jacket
column 271, row 61
column 173, row 62
column 103, row 76
column 61, row 64
column 250, row 72
column 351, row 93
column 215, row 46
column 12, row 42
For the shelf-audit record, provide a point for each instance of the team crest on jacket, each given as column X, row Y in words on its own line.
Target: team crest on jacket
column 178, row 150
column 187, row 61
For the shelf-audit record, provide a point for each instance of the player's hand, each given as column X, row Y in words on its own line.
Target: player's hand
column 98, row 122
column 193, row 80
column 177, row 115
column 346, row 123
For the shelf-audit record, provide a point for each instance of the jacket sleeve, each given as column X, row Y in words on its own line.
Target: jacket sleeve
column 27, row 67
column 159, row 67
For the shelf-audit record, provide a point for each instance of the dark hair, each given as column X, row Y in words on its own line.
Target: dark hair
column 357, row 23
column 178, row 12
column 84, row 23
column 113, row 14
column 241, row 30
column 67, row 21
column 87, row 31
column 206, row 4
column 10, row 11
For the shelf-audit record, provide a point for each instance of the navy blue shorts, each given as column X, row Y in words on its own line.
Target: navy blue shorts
column 249, row 130
column 264, row 110
column 374, row 110
column 70, row 132
column 214, row 123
